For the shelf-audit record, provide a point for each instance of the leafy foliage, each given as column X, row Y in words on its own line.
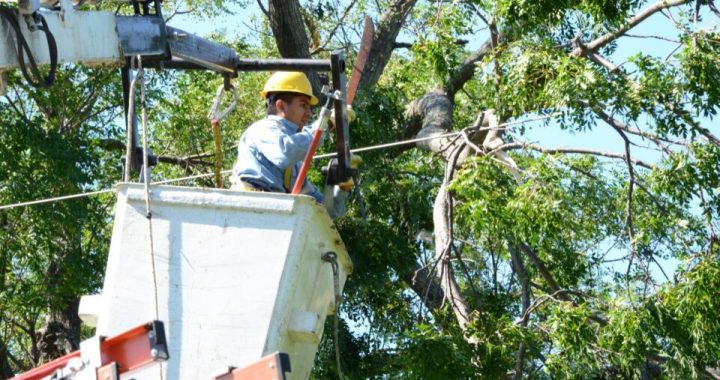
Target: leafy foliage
column 582, row 265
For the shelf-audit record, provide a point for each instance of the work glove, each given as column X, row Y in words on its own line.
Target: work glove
column 350, row 114
column 355, row 161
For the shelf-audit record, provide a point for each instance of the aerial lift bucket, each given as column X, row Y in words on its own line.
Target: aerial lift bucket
column 238, row 276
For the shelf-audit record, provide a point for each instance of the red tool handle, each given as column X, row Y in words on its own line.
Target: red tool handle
column 307, row 161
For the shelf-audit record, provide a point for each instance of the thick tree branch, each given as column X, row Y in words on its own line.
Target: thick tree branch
column 431, row 115
column 466, row 70
column 597, row 58
column 493, row 140
column 443, row 224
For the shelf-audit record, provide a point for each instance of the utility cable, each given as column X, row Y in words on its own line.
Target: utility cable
column 32, row 76
column 229, row 171
column 146, row 175
column 146, row 182
column 331, row 257
column 433, row 137
column 56, row 199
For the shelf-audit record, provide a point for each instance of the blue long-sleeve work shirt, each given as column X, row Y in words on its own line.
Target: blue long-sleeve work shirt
column 271, row 145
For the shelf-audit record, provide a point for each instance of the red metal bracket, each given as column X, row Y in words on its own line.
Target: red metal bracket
column 122, row 353
column 271, row 367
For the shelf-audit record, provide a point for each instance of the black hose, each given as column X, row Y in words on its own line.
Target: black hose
column 32, row 76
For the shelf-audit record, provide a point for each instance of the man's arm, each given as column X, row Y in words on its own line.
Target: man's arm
column 280, row 148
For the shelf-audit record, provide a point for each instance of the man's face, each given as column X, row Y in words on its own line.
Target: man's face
column 298, row 110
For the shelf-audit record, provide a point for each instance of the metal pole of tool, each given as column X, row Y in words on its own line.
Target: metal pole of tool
column 131, row 161
column 342, row 130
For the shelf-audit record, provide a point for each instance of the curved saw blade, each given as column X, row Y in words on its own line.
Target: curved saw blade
column 365, row 45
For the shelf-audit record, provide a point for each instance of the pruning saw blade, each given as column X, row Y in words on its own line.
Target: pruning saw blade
column 359, row 67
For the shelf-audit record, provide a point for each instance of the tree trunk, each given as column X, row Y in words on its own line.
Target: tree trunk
column 290, row 36
column 288, row 29
column 61, row 333
column 6, row 371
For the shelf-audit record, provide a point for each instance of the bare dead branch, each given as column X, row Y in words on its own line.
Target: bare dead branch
column 609, row 37
column 553, row 151
column 652, row 37
column 615, row 124
column 657, row 140
column 334, row 29
column 177, row 11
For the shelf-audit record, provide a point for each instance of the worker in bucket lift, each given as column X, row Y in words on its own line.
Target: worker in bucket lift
column 271, row 150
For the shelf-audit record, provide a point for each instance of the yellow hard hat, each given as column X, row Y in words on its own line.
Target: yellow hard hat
column 289, row 81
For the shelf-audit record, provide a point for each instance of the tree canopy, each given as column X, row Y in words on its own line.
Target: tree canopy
column 554, row 215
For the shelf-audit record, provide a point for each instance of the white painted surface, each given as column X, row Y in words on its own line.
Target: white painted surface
column 232, row 268
column 89, row 38
column 305, row 326
column 89, row 309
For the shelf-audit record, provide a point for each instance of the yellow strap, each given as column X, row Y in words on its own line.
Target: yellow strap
column 217, row 138
column 288, row 178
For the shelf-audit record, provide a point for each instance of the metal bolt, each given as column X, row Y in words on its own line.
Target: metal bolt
column 272, row 365
column 154, row 352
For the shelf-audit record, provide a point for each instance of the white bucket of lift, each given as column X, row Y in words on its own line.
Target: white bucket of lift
column 239, row 276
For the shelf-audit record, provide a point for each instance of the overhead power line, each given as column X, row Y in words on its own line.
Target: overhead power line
column 226, row 172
